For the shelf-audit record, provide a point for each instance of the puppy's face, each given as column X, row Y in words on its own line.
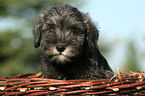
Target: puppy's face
column 62, row 39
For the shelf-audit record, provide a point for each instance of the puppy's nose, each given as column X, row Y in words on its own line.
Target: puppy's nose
column 60, row 48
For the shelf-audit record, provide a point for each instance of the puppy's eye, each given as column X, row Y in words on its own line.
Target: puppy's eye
column 76, row 30
column 51, row 27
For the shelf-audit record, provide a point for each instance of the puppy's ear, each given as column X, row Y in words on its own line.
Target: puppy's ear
column 37, row 30
column 92, row 32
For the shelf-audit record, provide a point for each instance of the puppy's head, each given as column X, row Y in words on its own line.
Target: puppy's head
column 62, row 32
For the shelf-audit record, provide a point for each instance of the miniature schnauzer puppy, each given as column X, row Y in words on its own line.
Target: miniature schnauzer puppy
column 69, row 45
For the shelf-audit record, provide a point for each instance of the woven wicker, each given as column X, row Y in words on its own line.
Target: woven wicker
column 126, row 83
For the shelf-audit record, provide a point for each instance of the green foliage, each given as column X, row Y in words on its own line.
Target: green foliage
column 17, row 54
column 21, row 7
column 131, row 62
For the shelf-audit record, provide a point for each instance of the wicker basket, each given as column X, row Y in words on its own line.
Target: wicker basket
column 126, row 83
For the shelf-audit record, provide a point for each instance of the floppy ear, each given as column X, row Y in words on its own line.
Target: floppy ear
column 37, row 35
column 37, row 30
column 92, row 32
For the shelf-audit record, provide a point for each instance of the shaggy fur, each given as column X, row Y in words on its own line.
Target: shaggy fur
column 68, row 39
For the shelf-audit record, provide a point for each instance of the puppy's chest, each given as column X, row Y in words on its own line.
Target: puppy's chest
column 71, row 73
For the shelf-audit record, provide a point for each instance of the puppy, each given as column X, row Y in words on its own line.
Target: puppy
column 69, row 45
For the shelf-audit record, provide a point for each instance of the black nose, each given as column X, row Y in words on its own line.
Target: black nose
column 60, row 48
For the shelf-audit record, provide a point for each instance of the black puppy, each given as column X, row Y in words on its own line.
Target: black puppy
column 68, row 39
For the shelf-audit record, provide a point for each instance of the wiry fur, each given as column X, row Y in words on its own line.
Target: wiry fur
column 68, row 39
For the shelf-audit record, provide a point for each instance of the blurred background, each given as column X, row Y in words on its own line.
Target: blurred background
column 121, row 24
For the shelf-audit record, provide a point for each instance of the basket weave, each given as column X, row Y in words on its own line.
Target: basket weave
column 126, row 83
